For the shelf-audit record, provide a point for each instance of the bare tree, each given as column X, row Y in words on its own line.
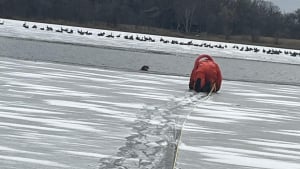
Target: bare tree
column 227, row 13
column 185, row 10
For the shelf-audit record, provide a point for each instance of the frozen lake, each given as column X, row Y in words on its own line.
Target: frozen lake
column 63, row 116
column 245, row 126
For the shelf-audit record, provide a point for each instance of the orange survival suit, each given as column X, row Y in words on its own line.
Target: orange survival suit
column 206, row 75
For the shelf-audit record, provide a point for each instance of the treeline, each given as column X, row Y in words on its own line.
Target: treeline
column 224, row 17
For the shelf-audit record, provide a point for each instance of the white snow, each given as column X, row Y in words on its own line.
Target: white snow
column 277, row 102
column 88, row 154
column 288, row 132
column 273, row 143
column 241, row 157
column 34, row 161
column 8, row 149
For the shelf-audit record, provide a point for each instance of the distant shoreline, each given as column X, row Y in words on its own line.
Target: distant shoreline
column 240, row 39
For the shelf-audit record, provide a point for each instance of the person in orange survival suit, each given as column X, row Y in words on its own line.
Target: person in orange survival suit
column 206, row 75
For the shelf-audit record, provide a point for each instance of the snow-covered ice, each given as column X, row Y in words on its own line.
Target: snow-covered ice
column 235, row 130
column 125, row 124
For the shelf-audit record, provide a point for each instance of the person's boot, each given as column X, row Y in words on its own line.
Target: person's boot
column 198, row 85
column 207, row 87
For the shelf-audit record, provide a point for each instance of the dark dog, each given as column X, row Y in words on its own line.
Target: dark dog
column 145, row 68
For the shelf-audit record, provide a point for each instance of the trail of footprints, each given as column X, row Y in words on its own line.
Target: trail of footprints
column 154, row 139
